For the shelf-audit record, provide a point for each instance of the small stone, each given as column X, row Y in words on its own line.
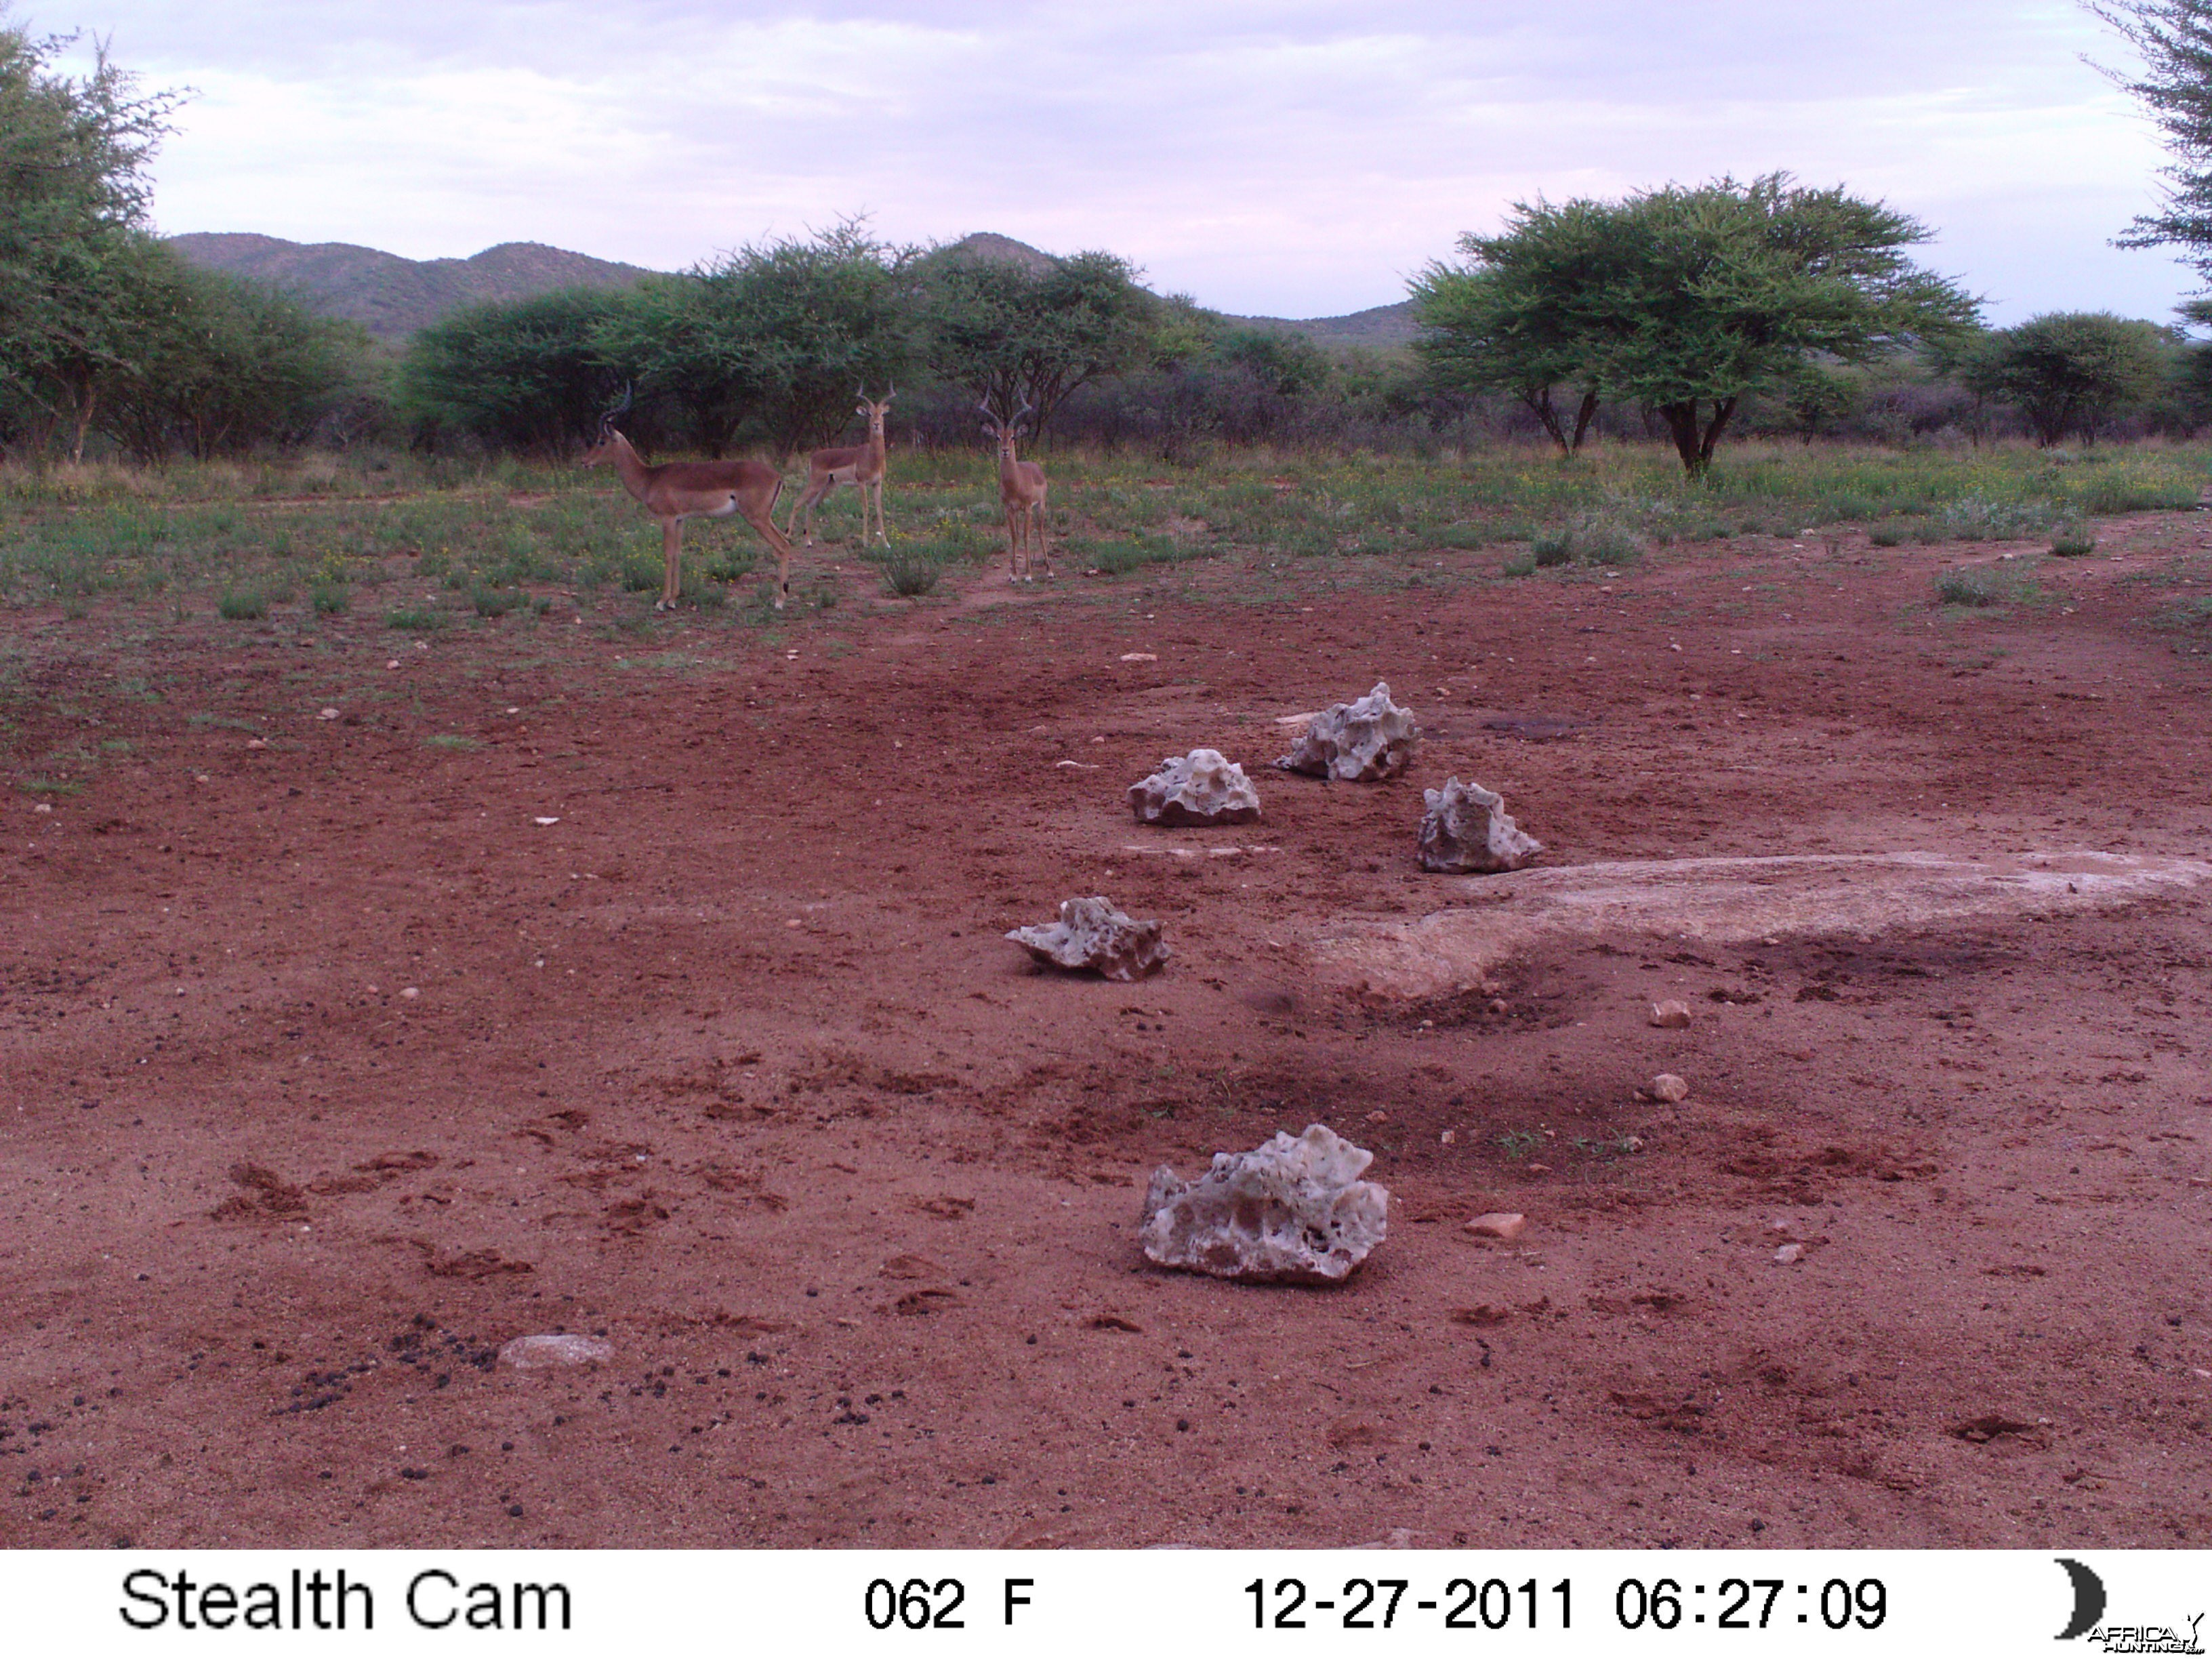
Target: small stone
column 411, row 993
column 1467, row 831
column 1788, row 1254
column 1092, row 934
column 1378, row 1117
column 1540, row 1169
column 1499, row 1224
column 1671, row 1016
column 1448, row 1137
column 1139, row 656
column 1357, row 742
column 327, row 714
column 530, row 1353
column 1202, row 787
column 1292, row 1211
column 257, row 742
column 1669, row 1087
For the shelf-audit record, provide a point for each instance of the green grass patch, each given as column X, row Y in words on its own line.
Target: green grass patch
column 243, row 604
column 1974, row 588
column 414, row 619
column 453, row 740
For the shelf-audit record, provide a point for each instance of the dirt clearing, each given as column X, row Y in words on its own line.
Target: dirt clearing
column 365, row 1005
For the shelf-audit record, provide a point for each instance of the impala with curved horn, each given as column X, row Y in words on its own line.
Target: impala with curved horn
column 677, row 490
column 861, row 465
column 1021, row 491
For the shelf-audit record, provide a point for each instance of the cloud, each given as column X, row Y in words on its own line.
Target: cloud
column 1294, row 159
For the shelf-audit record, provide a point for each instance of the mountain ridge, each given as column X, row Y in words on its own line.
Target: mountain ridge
column 392, row 297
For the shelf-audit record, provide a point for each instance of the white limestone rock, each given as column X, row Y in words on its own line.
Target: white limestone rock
column 1204, row 787
column 1091, row 933
column 1293, row 1210
column 1359, row 742
column 1467, row 831
column 531, row 1354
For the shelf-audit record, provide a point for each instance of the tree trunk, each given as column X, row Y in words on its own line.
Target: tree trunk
column 83, row 424
column 1584, row 417
column 1539, row 399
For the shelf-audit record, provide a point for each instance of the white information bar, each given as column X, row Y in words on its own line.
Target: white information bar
column 71, row 1605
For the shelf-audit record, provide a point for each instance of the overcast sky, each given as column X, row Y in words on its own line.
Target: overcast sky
column 1297, row 159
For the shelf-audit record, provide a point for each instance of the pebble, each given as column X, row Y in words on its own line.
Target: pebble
column 1669, row 1087
column 1448, row 1137
column 530, row 1353
column 1671, row 1016
column 1788, row 1254
column 327, row 714
column 1139, row 656
column 1499, row 1224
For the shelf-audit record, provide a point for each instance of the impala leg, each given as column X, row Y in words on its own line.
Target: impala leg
column 762, row 518
column 1013, row 545
column 1043, row 554
column 672, row 557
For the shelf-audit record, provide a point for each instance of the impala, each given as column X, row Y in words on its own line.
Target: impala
column 861, row 465
column 678, row 490
column 1021, row 491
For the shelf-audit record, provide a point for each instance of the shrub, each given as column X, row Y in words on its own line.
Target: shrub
column 1968, row 587
column 494, row 601
column 909, row 576
column 1888, row 534
column 2072, row 541
column 1552, row 547
column 1521, row 564
column 330, row 598
column 415, row 619
column 1975, row 518
column 243, row 604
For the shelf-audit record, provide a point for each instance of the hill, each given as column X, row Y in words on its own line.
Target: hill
column 392, row 297
column 1378, row 328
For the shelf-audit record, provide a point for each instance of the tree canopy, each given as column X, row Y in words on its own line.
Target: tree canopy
column 2174, row 86
column 1684, row 299
column 1016, row 335
column 2067, row 371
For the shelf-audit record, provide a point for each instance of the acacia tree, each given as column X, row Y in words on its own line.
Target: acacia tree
column 2174, row 39
column 2067, row 371
column 1686, row 298
column 1014, row 334
column 1509, row 320
column 74, row 197
column 526, row 375
column 770, row 342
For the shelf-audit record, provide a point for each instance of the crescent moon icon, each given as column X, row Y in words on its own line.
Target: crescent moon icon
column 2088, row 1599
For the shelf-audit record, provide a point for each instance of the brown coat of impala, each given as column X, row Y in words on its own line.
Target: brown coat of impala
column 677, row 490
column 1021, row 492
column 862, row 466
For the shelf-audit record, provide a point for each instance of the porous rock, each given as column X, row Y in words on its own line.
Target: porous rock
column 1671, row 1015
column 1467, row 831
column 1293, row 1210
column 530, row 1353
column 1092, row 934
column 1669, row 1088
column 1204, row 787
column 1358, row 742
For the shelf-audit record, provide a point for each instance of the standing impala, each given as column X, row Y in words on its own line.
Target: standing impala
column 678, row 490
column 861, row 465
column 1021, row 491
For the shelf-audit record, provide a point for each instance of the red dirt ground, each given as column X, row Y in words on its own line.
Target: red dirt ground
column 329, row 1070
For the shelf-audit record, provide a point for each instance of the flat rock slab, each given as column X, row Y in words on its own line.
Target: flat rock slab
column 1730, row 900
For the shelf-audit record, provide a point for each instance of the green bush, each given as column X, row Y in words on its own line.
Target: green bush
column 2072, row 541
column 418, row 619
column 1521, row 564
column 494, row 601
column 910, row 574
column 1975, row 518
column 243, row 604
column 1969, row 587
column 330, row 598
column 1552, row 547
column 1887, row 534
